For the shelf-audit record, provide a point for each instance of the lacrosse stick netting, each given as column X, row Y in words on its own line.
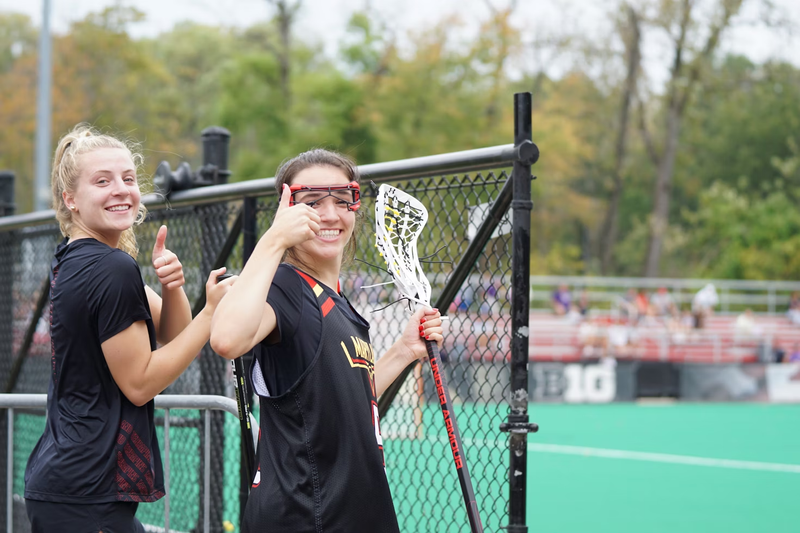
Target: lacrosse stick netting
column 399, row 220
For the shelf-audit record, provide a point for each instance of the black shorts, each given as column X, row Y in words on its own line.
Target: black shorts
column 51, row 517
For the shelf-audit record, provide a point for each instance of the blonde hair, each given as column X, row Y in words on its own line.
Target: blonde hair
column 66, row 169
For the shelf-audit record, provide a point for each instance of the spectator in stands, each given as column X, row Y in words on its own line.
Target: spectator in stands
column 794, row 301
column 650, row 319
column 746, row 327
column 642, row 304
column 463, row 299
column 794, row 355
column 621, row 339
column 593, row 339
column 663, row 303
column 687, row 319
column 583, row 303
column 703, row 304
column 574, row 315
column 628, row 306
column 794, row 309
column 562, row 300
column 489, row 290
column 490, row 286
column 681, row 326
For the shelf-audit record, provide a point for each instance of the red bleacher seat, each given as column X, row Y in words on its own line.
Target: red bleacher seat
column 555, row 338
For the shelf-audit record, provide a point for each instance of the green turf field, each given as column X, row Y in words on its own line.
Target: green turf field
column 620, row 468
column 616, row 468
column 748, row 480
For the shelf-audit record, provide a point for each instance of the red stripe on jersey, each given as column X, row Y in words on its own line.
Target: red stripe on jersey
column 311, row 281
column 327, row 306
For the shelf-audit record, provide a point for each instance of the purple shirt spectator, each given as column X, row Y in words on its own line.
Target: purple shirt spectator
column 562, row 299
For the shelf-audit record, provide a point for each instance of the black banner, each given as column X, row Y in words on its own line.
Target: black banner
column 609, row 381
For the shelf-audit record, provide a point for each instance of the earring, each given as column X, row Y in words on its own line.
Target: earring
column 72, row 207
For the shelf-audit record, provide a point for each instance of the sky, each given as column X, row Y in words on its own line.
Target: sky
column 325, row 21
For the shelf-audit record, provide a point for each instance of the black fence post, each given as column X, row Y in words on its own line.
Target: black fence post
column 249, row 239
column 7, row 206
column 213, row 368
column 6, row 320
column 517, row 424
column 215, row 157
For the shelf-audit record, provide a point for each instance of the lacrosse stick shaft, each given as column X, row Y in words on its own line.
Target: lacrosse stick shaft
column 248, row 450
column 455, row 438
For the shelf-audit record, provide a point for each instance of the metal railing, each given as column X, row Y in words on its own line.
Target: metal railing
column 764, row 296
column 165, row 402
column 452, row 163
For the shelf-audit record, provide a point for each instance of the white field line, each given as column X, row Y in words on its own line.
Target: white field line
column 606, row 453
column 663, row 458
column 156, row 529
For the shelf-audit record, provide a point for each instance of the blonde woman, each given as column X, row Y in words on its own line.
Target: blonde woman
column 98, row 457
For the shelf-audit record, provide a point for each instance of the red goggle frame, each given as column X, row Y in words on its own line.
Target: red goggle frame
column 352, row 187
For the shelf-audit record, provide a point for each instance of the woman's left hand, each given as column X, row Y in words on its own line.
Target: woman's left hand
column 168, row 267
column 424, row 324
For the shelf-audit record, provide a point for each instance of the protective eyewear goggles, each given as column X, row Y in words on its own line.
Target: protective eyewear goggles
column 349, row 194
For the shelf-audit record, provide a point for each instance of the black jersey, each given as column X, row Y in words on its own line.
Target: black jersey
column 320, row 451
column 97, row 446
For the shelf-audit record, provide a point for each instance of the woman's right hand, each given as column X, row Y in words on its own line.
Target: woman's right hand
column 293, row 224
column 215, row 289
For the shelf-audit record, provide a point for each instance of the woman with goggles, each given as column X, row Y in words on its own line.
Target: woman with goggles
column 320, row 450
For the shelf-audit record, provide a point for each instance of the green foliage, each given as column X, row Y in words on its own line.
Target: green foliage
column 733, row 235
column 17, row 37
column 737, row 173
column 741, row 123
column 788, row 168
column 251, row 106
column 194, row 56
column 630, row 252
column 561, row 258
column 364, row 46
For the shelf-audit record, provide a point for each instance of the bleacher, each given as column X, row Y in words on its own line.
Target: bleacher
column 482, row 337
column 560, row 338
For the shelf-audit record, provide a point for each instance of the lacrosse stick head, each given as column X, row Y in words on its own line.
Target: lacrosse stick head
column 399, row 219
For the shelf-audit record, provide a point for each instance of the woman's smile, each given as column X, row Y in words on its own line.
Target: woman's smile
column 329, row 234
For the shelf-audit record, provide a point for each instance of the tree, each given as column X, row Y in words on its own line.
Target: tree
column 631, row 36
column 744, row 119
column 326, row 109
column 17, row 38
column 193, row 57
column 282, row 50
column 18, row 120
column 679, row 19
column 739, row 237
column 100, row 76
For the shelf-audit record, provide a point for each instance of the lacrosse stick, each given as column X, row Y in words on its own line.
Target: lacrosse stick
column 399, row 219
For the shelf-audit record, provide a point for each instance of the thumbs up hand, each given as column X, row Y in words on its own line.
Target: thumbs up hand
column 293, row 224
column 168, row 268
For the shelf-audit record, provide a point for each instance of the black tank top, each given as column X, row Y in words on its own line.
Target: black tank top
column 320, row 452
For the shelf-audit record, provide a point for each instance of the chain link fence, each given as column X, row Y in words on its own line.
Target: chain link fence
column 206, row 230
